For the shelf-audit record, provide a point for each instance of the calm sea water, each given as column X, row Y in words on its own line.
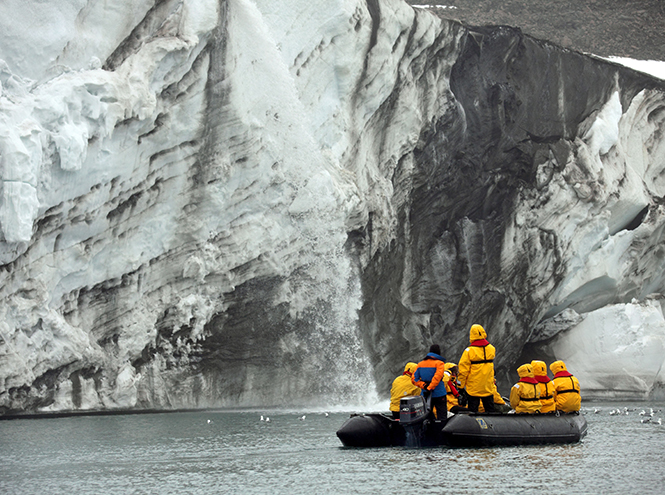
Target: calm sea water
column 236, row 453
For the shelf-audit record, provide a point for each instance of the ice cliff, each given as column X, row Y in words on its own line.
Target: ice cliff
column 261, row 202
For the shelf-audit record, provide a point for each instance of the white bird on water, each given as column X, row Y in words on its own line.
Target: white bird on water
column 303, row 418
column 645, row 420
column 326, row 415
column 261, row 417
column 267, row 419
column 209, row 421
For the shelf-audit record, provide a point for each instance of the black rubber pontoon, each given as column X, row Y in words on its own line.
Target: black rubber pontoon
column 371, row 430
column 470, row 430
column 463, row 430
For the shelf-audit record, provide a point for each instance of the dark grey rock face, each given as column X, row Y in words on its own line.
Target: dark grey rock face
column 519, row 103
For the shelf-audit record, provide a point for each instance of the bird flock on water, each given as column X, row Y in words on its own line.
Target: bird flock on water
column 266, row 419
column 647, row 415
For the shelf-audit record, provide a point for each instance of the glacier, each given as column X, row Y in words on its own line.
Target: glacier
column 237, row 203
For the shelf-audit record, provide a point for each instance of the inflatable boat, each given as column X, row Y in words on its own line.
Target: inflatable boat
column 417, row 428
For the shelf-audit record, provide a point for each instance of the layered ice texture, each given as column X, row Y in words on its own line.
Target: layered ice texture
column 255, row 202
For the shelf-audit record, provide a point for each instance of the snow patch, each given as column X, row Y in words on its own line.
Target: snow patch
column 654, row 68
column 617, row 350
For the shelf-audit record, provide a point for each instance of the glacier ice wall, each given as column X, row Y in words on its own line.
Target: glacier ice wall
column 172, row 229
column 537, row 193
column 261, row 202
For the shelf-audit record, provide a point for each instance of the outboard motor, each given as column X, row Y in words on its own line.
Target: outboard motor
column 413, row 411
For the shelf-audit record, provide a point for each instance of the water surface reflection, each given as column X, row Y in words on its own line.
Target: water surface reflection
column 235, row 452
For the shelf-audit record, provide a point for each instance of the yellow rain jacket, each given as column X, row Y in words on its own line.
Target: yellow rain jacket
column 546, row 386
column 566, row 388
column 403, row 387
column 451, row 384
column 525, row 394
column 476, row 366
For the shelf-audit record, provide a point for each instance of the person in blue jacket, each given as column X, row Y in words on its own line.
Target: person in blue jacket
column 429, row 376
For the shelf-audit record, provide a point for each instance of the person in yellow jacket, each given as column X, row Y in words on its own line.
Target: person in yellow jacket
column 402, row 387
column 566, row 388
column 476, row 370
column 546, row 386
column 525, row 394
column 452, row 394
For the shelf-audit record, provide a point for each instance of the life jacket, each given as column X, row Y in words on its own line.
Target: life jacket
column 525, row 394
column 566, row 392
column 529, row 396
column 476, row 366
column 546, row 394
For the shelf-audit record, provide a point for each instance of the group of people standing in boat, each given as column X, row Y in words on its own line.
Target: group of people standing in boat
column 471, row 385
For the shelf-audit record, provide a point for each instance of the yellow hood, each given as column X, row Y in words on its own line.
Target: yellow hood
column 476, row 333
column 539, row 368
column 525, row 370
column 557, row 366
column 410, row 368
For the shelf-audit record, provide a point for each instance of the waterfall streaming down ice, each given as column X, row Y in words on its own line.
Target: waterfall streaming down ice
column 271, row 202
column 192, row 243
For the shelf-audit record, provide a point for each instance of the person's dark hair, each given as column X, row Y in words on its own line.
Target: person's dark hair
column 435, row 349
